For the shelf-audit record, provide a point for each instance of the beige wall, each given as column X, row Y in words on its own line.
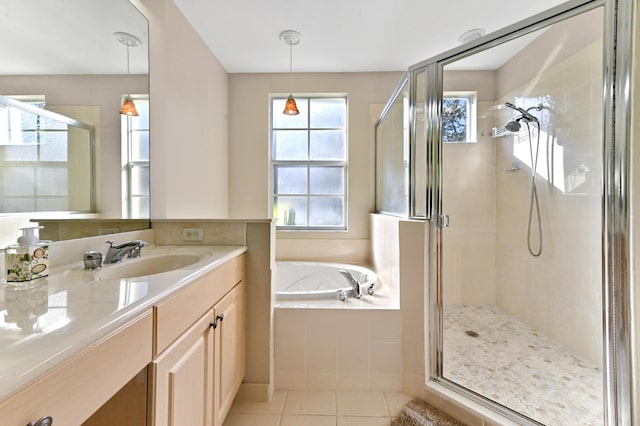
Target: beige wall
column 249, row 155
column 469, row 198
column 558, row 293
column 189, row 118
column 485, row 255
column 553, row 46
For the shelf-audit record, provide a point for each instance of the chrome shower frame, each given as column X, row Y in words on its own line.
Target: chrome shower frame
column 616, row 197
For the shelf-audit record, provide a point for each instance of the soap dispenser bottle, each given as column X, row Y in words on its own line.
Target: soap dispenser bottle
column 27, row 260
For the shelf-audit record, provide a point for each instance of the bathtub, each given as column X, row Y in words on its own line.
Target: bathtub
column 321, row 280
column 316, row 285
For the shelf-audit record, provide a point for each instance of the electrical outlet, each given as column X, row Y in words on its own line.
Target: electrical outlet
column 192, row 234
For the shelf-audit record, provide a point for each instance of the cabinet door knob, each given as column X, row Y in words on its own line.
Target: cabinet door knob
column 45, row 421
column 211, row 324
column 220, row 317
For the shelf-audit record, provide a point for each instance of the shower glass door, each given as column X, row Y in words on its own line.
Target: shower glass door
column 521, row 269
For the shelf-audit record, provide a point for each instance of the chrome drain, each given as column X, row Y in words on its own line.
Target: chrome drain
column 471, row 333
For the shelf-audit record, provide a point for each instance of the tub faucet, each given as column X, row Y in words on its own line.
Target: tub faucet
column 130, row 248
column 355, row 284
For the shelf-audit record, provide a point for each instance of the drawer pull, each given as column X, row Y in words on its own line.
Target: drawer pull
column 215, row 323
column 45, row 421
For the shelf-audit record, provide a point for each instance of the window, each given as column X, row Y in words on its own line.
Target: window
column 459, row 117
column 135, row 160
column 34, row 147
column 309, row 164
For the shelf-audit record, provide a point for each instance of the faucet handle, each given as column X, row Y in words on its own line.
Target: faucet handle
column 92, row 260
column 110, row 243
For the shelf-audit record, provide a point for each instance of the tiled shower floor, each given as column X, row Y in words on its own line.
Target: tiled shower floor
column 515, row 365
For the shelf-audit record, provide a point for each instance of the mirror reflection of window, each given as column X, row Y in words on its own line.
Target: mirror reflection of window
column 135, row 161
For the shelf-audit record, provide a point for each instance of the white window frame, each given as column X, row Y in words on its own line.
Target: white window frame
column 472, row 113
column 128, row 164
column 308, row 163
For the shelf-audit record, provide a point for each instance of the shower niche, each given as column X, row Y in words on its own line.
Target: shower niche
column 499, row 144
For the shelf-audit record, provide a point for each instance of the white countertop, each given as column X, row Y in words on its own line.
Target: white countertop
column 49, row 320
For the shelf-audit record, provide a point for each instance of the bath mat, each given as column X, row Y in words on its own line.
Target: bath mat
column 419, row 413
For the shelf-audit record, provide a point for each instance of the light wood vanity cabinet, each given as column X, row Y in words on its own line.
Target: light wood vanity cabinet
column 229, row 358
column 192, row 346
column 199, row 367
column 182, row 378
column 73, row 391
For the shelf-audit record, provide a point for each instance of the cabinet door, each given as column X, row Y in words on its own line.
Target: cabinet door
column 229, row 359
column 183, row 378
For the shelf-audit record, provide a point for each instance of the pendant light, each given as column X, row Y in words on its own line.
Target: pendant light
column 129, row 40
column 291, row 38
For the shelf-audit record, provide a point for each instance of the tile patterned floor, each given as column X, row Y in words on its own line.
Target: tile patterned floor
column 519, row 367
column 319, row 408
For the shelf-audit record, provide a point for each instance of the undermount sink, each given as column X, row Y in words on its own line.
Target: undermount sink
column 146, row 266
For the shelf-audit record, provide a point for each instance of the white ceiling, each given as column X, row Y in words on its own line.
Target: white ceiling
column 75, row 36
column 344, row 35
column 70, row 37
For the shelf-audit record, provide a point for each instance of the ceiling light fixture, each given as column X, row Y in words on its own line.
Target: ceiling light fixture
column 129, row 40
column 291, row 38
column 471, row 35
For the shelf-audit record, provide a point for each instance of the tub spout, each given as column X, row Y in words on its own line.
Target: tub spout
column 355, row 284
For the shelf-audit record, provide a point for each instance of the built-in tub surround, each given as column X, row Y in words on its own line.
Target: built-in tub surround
column 338, row 349
column 317, row 333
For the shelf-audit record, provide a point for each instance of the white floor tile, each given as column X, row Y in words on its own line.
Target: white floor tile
column 301, row 420
column 275, row 406
column 310, row 402
column 363, row 421
column 243, row 419
column 396, row 402
column 362, row 404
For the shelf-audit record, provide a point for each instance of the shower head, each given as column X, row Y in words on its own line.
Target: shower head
column 513, row 125
column 525, row 114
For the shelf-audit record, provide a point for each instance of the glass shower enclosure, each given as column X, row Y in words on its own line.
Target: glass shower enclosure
column 46, row 160
column 505, row 147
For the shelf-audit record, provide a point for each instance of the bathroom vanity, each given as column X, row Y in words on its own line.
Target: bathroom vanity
column 181, row 333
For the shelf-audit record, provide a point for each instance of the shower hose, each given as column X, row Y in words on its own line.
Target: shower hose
column 533, row 200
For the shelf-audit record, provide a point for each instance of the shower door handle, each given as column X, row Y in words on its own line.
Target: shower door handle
column 443, row 221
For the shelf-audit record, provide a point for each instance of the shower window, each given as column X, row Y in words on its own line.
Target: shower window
column 45, row 159
column 135, row 160
column 309, row 164
column 459, row 117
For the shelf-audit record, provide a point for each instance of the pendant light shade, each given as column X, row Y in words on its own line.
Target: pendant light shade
column 290, row 107
column 291, row 38
column 128, row 107
column 129, row 40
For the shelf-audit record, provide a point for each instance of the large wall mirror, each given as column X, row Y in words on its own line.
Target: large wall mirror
column 65, row 56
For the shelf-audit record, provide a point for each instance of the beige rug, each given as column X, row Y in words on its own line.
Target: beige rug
column 419, row 413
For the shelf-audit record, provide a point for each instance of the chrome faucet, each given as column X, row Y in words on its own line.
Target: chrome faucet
column 130, row 249
column 355, row 284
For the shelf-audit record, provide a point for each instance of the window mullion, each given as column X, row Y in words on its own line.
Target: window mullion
column 327, row 214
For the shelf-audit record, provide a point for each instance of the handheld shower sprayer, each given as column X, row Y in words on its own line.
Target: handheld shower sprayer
column 534, row 205
column 525, row 112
